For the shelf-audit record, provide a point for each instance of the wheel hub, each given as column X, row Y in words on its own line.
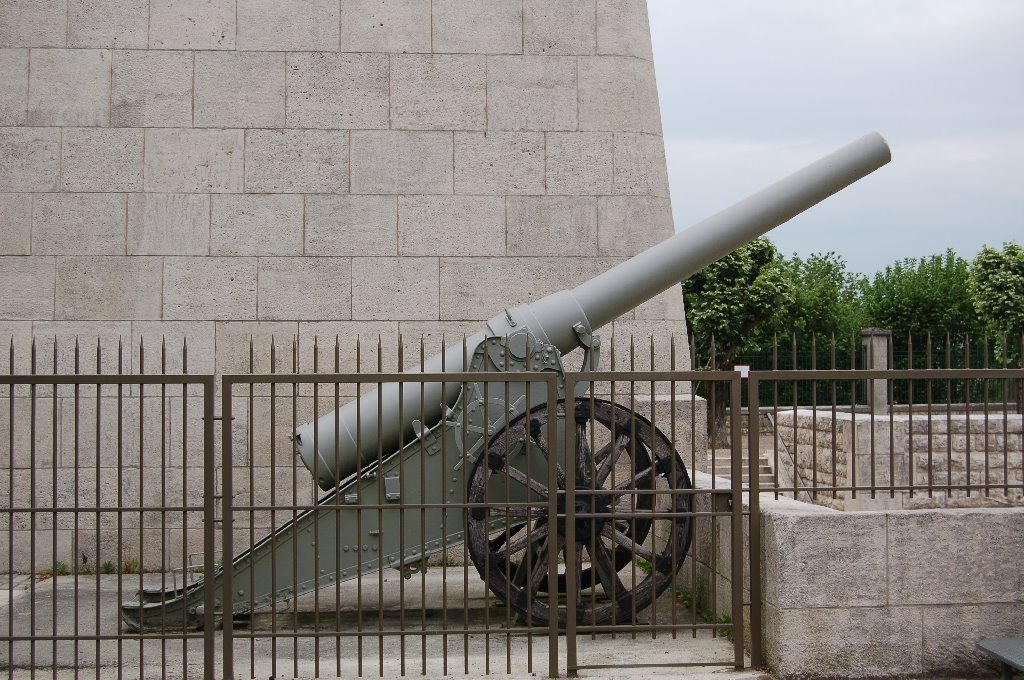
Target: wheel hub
column 595, row 511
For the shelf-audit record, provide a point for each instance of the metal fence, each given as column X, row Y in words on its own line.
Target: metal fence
column 162, row 526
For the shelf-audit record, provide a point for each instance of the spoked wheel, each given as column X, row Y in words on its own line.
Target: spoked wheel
column 625, row 473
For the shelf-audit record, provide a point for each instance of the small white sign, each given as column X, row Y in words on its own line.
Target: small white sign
column 743, row 370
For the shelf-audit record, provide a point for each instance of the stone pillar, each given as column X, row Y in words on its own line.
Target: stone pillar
column 876, row 343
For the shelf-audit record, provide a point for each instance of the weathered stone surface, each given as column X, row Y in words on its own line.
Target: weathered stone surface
column 16, row 218
column 274, row 25
column 475, row 287
column 233, row 340
column 304, row 288
column 401, row 162
column 482, row 28
column 623, row 28
column 248, row 224
column 639, row 165
column 102, row 337
column 531, row 93
column 151, row 89
column 618, row 94
column 552, row 225
column 33, row 24
column 296, row 161
column 200, row 339
column 439, row 92
column 579, row 163
column 843, row 642
column 13, row 87
column 197, row 161
column 394, row 288
column 78, row 224
column 168, row 224
column 209, row 288
column 349, row 334
column 69, row 87
column 102, row 159
column 566, row 27
column 192, row 24
column 108, row 288
column 628, row 225
column 29, row 285
column 825, row 560
column 108, row 23
column 499, row 163
column 351, row 225
column 29, row 159
column 344, row 91
column 239, row 89
column 451, row 225
column 385, row 26
column 951, row 633
column 667, row 305
column 944, row 556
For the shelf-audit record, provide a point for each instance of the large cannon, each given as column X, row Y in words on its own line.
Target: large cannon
column 381, row 451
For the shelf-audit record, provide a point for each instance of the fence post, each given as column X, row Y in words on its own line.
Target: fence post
column 876, row 344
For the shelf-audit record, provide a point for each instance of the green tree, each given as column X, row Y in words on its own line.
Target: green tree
column 731, row 307
column 997, row 282
column 826, row 300
column 917, row 297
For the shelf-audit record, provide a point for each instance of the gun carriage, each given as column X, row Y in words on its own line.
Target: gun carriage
column 497, row 443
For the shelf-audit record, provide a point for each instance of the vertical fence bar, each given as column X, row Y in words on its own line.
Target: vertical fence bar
column 209, row 515
column 735, row 426
column 552, row 471
column 754, row 444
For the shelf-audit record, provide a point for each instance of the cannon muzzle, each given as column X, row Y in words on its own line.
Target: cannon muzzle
column 563, row 318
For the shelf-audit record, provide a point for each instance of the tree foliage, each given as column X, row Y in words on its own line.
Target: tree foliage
column 825, row 300
column 997, row 283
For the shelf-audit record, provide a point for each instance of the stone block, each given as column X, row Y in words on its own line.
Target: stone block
column 467, row 26
column 401, row 162
column 951, row 633
column 451, row 225
column 362, row 347
column 385, row 26
column 394, row 288
column 351, row 225
column 27, row 427
column 98, row 344
column 304, row 288
column 552, row 225
column 499, row 163
column 628, row 225
column 635, row 342
column 274, row 25
column 164, row 342
column 197, row 288
column 439, row 92
column 618, row 94
column 479, row 287
column 69, row 87
column 151, row 89
column 28, row 284
column 16, row 218
column 192, row 24
column 193, row 161
column 955, row 556
column 168, row 224
column 825, row 560
column 41, row 23
column 108, row 288
column 639, row 166
column 102, row 159
column 254, row 224
column 13, row 87
column 296, row 161
column 78, row 224
column 337, row 91
column 239, row 89
column 435, row 336
column 843, row 642
column 624, row 28
column 579, row 163
column 531, row 93
column 567, row 27
column 667, row 305
column 108, row 23
column 235, row 338
column 29, row 159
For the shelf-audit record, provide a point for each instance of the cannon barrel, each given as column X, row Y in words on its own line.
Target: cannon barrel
column 559, row 318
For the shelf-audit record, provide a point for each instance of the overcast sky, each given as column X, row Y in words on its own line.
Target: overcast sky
column 751, row 91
